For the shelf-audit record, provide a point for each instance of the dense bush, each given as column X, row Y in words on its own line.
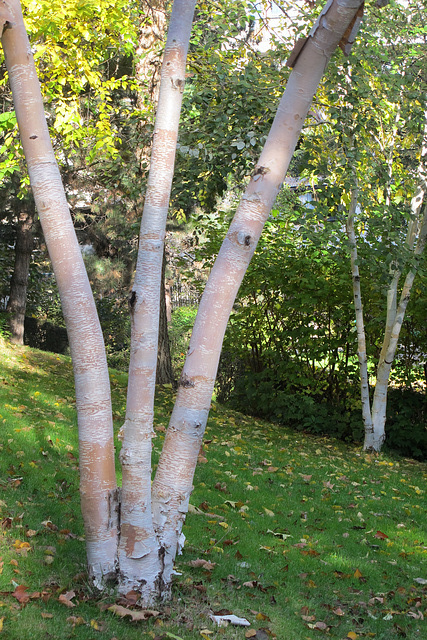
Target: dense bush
column 265, row 395
column 406, row 425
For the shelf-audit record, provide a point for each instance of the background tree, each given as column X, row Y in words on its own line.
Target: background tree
column 374, row 132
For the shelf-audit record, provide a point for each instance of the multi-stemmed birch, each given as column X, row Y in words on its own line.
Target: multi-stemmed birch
column 151, row 523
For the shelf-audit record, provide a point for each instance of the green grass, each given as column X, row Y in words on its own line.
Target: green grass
column 309, row 537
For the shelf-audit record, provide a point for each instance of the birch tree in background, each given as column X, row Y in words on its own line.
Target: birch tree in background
column 374, row 420
column 141, row 555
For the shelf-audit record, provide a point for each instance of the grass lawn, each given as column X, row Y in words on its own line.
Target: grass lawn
column 303, row 537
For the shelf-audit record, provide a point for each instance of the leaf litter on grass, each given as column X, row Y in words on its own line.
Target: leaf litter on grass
column 300, row 536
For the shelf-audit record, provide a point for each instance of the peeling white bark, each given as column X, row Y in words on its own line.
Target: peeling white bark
column 97, row 473
column 358, row 308
column 139, row 556
column 173, row 482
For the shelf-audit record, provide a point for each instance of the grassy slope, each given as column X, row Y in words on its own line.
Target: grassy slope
column 307, row 536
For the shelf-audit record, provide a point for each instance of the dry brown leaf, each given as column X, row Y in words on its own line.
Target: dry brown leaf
column 46, row 615
column 251, row 584
column 380, row 535
column 357, row 574
column 136, row 615
column 250, row 633
column 21, row 594
column 66, row 598
column 321, row 625
column 76, row 620
column 205, row 564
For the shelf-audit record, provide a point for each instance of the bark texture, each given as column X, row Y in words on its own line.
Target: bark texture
column 164, row 373
column 18, row 285
column 140, row 558
column 358, row 308
column 97, row 473
column 173, row 481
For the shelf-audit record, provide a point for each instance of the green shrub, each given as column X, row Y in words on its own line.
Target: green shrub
column 406, row 426
column 180, row 329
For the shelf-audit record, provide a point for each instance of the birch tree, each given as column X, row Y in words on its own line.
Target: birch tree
column 374, row 420
column 139, row 554
column 376, row 138
column 97, row 473
column 142, row 553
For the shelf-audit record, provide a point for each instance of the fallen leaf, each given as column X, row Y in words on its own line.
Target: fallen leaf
column 204, row 564
column 357, row 574
column 46, row 615
column 21, row 594
column 97, row 625
column 352, row 635
column 380, row 535
column 262, row 616
column 136, row 616
column 250, row 633
column 269, row 512
column 65, row 598
column 76, row 621
column 338, row 611
column 321, row 625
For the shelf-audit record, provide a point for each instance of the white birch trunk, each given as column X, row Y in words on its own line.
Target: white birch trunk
column 173, row 482
column 139, row 556
column 374, row 440
column 97, row 473
column 415, row 242
column 358, row 308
